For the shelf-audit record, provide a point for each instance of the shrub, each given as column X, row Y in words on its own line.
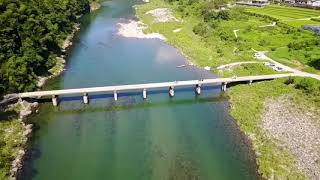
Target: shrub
column 224, row 36
column 201, row 29
column 290, row 80
column 209, row 15
column 309, row 85
column 224, row 15
column 315, row 19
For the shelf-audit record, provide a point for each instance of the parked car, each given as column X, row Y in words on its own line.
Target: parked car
column 279, row 69
column 269, row 64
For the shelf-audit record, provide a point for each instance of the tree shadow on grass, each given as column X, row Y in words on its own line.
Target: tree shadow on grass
column 7, row 115
column 315, row 64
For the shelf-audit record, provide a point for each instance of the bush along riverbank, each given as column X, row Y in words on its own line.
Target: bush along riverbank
column 205, row 35
column 14, row 113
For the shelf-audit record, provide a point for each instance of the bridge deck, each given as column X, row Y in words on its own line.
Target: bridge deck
column 150, row 85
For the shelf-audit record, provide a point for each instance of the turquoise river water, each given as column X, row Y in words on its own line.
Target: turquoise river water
column 161, row 138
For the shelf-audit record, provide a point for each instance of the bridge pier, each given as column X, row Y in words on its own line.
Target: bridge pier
column 224, row 87
column 115, row 95
column 197, row 89
column 171, row 91
column 250, row 82
column 55, row 100
column 85, row 98
column 144, row 93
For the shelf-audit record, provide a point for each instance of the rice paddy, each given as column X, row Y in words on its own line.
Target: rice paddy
column 293, row 16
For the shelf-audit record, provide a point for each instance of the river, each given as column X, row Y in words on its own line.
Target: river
column 161, row 138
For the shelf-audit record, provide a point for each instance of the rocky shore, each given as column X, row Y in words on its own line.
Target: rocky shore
column 26, row 109
column 297, row 130
column 94, row 6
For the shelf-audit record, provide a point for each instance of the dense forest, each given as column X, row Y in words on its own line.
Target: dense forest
column 30, row 34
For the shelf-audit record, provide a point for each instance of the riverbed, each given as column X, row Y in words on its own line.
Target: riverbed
column 184, row 137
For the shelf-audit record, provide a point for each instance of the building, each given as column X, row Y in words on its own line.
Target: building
column 303, row 2
column 316, row 3
column 258, row 3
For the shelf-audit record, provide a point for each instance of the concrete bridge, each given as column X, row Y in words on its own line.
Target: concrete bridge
column 54, row 94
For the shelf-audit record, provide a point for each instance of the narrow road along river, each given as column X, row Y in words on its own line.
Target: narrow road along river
column 162, row 138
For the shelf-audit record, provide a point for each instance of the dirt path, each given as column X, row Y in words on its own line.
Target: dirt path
column 237, row 64
column 235, row 32
column 269, row 25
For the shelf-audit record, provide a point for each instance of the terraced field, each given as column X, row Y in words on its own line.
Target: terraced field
column 293, row 16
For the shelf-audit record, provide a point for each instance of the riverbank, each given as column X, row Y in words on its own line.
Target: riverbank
column 17, row 121
column 275, row 160
column 277, row 117
column 14, row 123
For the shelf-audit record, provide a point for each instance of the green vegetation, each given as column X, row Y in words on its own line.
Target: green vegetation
column 207, row 36
column 11, row 141
column 31, row 33
column 296, row 17
column 248, row 70
column 272, row 159
column 293, row 16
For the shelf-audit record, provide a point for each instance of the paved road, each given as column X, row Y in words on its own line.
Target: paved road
column 286, row 68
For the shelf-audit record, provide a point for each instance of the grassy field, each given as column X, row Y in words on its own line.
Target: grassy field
column 248, row 70
column 208, row 51
column 293, row 16
column 11, row 141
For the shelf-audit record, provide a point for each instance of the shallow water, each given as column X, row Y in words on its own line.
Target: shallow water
column 185, row 137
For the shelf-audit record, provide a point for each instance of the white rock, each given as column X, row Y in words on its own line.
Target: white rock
column 25, row 113
column 177, row 30
column 207, row 68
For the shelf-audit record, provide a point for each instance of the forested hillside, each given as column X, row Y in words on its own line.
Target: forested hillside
column 30, row 34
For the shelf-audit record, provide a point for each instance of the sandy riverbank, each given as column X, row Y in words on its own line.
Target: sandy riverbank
column 161, row 15
column 134, row 29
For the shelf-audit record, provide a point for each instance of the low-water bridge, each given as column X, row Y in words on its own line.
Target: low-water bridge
column 54, row 94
